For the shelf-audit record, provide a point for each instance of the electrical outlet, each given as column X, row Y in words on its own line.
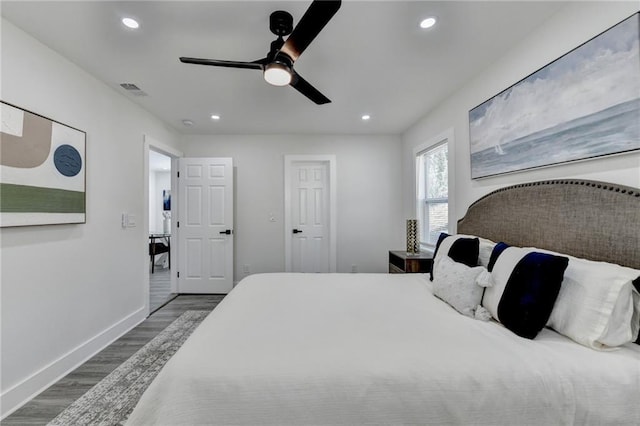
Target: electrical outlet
column 354, row 268
column 246, row 269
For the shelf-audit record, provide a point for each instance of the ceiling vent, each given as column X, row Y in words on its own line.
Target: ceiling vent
column 132, row 89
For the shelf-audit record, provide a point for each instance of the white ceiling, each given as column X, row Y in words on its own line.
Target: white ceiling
column 371, row 58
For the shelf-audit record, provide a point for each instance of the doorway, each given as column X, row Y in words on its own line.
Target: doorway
column 160, row 226
column 159, row 219
column 310, row 213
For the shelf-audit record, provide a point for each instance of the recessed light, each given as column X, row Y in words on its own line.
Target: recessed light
column 215, row 117
column 366, row 117
column 428, row 22
column 187, row 122
column 130, row 23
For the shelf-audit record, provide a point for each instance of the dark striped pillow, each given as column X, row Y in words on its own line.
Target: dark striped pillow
column 526, row 284
column 462, row 250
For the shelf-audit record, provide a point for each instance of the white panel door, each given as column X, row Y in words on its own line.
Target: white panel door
column 205, row 225
column 310, row 217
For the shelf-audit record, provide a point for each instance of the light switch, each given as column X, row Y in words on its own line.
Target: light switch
column 128, row 220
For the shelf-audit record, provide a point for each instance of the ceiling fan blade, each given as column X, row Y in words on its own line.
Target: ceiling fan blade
column 303, row 86
column 312, row 22
column 256, row 65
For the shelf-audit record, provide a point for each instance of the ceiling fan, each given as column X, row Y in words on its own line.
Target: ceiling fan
column 277, row 66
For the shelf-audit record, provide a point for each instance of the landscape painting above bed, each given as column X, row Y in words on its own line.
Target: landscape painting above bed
column 586, row 104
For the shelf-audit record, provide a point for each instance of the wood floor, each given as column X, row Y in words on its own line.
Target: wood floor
column 159, row 287
column 46, row 406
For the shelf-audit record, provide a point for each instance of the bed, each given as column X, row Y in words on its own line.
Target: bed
column 365, row 349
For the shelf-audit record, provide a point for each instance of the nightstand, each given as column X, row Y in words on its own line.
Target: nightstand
column 400, row 262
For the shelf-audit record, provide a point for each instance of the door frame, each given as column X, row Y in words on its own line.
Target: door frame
column 289, row 160
column 151, row 144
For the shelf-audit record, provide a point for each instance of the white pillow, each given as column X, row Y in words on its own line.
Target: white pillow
column 598, row 305
column 455, row 283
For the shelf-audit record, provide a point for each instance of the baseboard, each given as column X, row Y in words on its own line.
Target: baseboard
column 21, row 393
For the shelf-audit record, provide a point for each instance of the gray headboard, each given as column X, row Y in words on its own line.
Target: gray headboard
column 588, row 219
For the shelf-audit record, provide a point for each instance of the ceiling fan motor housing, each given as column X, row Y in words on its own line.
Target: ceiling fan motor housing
column 281, row 23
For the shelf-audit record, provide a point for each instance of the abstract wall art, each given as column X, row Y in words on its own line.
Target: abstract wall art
column 584, row 105
column 42, row 170
column 166, row 199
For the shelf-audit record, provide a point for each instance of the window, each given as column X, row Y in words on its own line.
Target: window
column 433, row 192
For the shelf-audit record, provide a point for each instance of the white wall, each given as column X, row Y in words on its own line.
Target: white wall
column 67, row 290
column 369, row 210
column 572, row 26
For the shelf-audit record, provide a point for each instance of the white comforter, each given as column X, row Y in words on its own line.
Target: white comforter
column 363, row 349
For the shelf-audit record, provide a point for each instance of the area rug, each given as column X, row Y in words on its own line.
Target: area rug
column 112, row 399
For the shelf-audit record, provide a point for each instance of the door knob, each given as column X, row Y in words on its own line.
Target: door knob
column 297, row 231
column 228, row 232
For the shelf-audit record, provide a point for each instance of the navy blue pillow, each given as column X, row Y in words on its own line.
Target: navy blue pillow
column 463, row 250
column 442, row 236
column 531, row 292
column 495, row 253
column 636, row 284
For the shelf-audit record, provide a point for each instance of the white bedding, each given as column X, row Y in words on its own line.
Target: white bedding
column 362, row 349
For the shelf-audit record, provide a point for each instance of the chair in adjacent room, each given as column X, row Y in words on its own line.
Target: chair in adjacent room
column 156, row 248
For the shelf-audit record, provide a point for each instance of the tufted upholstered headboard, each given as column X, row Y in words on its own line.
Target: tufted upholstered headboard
column 583, row 218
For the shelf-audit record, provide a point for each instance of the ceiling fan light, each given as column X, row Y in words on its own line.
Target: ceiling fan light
column 277, row 74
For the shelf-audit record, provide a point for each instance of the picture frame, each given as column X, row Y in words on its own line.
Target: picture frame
column 42, row 170
column 583, row 105
column 166, row 199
